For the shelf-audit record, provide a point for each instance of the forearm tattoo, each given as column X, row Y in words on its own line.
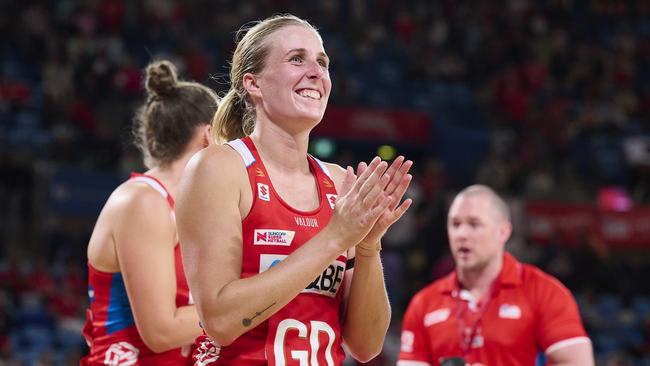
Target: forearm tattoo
column 248, row 321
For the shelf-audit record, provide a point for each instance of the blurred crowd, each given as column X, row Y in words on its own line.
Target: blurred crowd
column 542, row 100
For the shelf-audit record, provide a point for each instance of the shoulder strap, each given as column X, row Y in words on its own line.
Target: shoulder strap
column 155, row 184
column 322, row 166
column 243, row 150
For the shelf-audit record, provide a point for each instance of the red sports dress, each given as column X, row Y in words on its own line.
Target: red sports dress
column 110, row 330
column 307, row 331
column 528, row 311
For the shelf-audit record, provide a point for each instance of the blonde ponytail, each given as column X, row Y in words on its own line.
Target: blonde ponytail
column 227, row 123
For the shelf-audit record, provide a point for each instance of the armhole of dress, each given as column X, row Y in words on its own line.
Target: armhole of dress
column 249, row 159
column 243, row 150
column 247, row 156
column 323, row 168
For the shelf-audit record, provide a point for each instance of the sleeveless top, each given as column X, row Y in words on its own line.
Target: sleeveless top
column 110, row 329
column 307, row 331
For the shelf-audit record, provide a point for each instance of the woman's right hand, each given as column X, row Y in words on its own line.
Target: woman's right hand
column 360, row 203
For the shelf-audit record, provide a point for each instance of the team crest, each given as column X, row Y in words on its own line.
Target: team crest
column 331, row 198
column 326, row 183
column 121, row 354
column 259, row 173
column 263, row 192
column 507, row 311
column 436, row 316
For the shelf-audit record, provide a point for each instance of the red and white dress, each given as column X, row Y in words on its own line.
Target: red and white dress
column 110, row 329
column 307, row 331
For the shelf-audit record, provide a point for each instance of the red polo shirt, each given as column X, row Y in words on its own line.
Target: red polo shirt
column 527, row 311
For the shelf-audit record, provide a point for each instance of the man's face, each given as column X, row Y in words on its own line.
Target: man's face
column 477, row 231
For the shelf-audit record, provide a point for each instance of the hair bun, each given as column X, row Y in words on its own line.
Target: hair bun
column 161, row 78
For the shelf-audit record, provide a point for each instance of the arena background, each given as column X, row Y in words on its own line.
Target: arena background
column 548, row 102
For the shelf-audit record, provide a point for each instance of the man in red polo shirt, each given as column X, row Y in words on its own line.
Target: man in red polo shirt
column 492, row 310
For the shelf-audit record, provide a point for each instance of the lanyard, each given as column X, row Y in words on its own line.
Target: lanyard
column 466, row 342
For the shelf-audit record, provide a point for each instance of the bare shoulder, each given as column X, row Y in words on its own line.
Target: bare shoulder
column 134, row 210
column 216, row 162
column 141, row 210
column 131, row 198
column 214, row 177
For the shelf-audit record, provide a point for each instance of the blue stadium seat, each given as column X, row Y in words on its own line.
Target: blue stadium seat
column 609, row 305
column 631, row 336
column 641, row 306
column 67, row 339
column 645, row 361
column 606, row 343
column 29, row 357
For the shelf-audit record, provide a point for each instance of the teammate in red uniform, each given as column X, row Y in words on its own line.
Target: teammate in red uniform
column 268, row 246
column 140, row 307
column 492, row 310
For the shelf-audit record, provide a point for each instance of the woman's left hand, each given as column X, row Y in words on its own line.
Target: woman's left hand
column 399, row 182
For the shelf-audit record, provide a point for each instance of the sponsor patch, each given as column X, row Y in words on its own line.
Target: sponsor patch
column 331, row 198
column 269, row 260
column 121, row 354
column 508, row 311
column 329, row 282
column 273, row 237
column 263, row 192
column 436, row 316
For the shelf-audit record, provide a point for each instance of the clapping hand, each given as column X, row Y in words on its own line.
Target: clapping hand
column 393, row 191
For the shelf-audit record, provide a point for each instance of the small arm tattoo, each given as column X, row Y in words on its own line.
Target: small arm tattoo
column 248, row 321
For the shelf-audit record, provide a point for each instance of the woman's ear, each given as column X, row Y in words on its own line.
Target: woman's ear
column 250, row 83
column 207, row 136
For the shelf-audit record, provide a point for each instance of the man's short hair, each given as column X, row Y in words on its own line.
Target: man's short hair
column 498, row 203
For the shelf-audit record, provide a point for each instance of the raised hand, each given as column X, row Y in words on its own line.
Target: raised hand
column 361, row 202
column 394, row 191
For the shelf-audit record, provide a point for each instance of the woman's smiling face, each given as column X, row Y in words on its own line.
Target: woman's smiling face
column 295, row 84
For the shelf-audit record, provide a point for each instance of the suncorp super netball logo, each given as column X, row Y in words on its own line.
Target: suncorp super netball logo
column 273, row 237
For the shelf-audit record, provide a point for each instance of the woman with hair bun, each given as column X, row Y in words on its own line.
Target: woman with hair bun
column 141, row 311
